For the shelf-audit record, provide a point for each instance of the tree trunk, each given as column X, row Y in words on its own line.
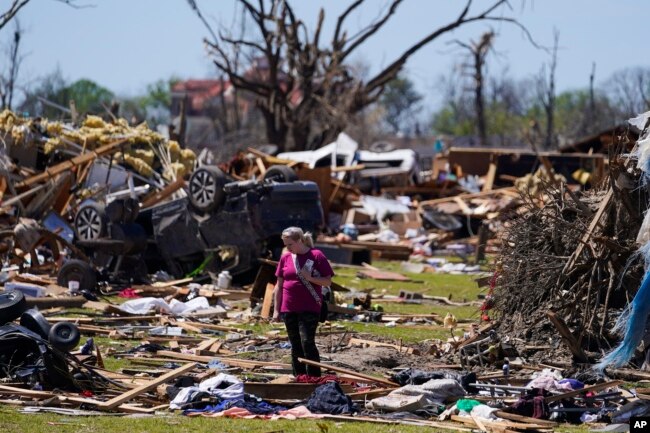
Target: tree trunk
column 479, row 99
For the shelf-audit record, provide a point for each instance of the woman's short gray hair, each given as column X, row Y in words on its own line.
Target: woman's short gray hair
column 296, row 234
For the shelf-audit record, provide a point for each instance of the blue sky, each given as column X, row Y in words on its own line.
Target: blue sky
column 126, row 44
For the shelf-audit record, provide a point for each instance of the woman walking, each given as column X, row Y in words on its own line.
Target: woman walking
column 298, row 298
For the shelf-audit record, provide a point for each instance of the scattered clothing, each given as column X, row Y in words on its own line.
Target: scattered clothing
column 330, row 399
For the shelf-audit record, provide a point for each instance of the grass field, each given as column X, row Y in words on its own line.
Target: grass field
column 460, row 287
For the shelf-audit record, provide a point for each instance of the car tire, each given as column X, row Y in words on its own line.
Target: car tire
column 206, row 188
column 77, row 270
column 12, row 305
column 33, row 320
column 280, row 173
column 90, row 222
column 64, row 336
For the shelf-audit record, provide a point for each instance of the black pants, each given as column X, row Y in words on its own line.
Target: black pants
column 301, row 328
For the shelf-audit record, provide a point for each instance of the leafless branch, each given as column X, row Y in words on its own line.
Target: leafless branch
column 15, row 6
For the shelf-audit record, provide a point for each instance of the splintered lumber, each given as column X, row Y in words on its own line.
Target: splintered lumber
column 568, row 337
column 69, row 164
column 129, row 395
column 268, row 301
column 349, row 372
column 401, row 349
column 163, row 193
column 486, row 425
column 596, row 387
column 382, row 275
column 525, row 419
column 244, row 363
column 585, row 238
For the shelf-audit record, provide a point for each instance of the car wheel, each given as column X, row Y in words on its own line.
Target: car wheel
column 12, row 305
column 64, row 336
column 77, row 270
column 280, row 173
column 90, row 222
column 33, row 320
column 206, row 188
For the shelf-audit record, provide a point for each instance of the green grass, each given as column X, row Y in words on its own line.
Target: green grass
column 460, row 287
column 12, row 421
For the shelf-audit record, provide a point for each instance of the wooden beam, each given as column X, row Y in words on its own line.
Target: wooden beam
column 489, row 178
column 159, row 196
column 604, row 204
column 349, row 372
column 129, row 395
column 568, row 337
column 69, row 164
column 268, row 301
column 597, row 387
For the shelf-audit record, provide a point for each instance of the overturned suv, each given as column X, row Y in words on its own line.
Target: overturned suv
column 220, row 224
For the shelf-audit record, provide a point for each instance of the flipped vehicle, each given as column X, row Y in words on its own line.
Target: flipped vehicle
column 220, row 225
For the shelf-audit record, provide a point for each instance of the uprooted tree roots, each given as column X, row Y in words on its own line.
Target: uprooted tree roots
column 545, row 269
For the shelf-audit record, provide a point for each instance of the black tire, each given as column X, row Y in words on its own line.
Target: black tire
column 90, row 222
column 12, row 305
column 206, row 188
column 64, row 336
column 280, row 173
column 33, row 320
column 77, row 270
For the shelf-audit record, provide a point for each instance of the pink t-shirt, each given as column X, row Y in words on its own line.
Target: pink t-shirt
column 296, row 298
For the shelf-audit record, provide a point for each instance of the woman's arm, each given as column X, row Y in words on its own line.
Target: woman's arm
column 277, row 299
column 321, row 281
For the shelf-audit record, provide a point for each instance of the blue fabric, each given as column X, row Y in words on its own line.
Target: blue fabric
column 251, row 403
column 633, row 321
column 330, row 399
column 575, row 384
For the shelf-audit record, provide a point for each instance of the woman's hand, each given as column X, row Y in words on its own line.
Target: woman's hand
column 276, row 316
column 305, row 274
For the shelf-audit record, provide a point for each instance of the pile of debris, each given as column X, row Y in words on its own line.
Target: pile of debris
column 569, row 265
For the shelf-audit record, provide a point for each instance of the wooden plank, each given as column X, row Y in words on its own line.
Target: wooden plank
column 567, row 336
column 505, row 191
column 69, row 164
column 525, row 419
column 268, row 301
column 489, row 177
column 604, row 204
column 349, row 372
column 466, row 210
column 159, row 196
column 382, row 275
column 591, row 388
column 129, row 395
column 244, row 363
column 371, row 343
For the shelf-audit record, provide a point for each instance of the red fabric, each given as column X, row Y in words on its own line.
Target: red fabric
column 305, row 378
column 128, row 293
column 296, row 298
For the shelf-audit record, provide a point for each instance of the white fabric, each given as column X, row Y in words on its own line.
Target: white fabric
column 397, row 403
column 144, row 305
column 435, row 390
column 235, row 390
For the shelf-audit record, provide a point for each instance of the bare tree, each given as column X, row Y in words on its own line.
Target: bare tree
column 546, row 92
column 16, row 5
column 630, row 89
column 11, row 11
column 9, row 77
column 478, row 52
column 304, row 90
